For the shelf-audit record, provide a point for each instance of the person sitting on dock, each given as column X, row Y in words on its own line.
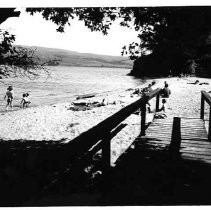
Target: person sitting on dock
column 160, row 114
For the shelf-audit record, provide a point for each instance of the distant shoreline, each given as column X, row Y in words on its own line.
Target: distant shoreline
column 118, row 67
column 77, row 59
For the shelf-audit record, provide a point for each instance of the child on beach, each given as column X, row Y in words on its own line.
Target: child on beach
column 9, row 95
column 25, row 101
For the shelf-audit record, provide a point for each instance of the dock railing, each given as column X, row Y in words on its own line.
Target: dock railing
column 206, row 97
column 99, row 137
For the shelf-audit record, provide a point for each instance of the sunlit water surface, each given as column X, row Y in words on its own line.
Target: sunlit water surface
column 66, row 83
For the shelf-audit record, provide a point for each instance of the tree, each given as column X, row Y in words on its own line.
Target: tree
column 16, row 60
column 175, row 33
column 7, row 13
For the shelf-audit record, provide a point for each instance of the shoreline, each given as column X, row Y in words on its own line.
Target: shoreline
column 58, row 122
column 122, row 97
column 118, row 67
column 73, row 97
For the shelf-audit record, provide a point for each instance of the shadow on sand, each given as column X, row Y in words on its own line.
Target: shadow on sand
column 149, row 175
column 39, row 174
column 33, row 170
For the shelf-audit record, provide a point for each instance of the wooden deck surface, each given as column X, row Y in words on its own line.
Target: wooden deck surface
column 194, row 141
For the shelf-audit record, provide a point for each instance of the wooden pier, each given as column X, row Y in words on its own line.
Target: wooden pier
column 192, row 138
column 169, row 163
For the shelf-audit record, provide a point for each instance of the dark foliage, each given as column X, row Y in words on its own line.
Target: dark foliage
column 21, row 62
column 18, row 61
column 175, row 34
column 37, row 173
column 7, row 13
column 179, row 35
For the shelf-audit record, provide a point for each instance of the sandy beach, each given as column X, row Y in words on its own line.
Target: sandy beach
column 59, row 122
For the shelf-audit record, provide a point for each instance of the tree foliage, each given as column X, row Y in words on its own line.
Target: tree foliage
column 179, row 27
column 23, row 62
column 16, row 61
column 175, row 34
column 96, row 19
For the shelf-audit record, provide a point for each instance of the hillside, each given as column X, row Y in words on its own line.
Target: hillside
column 73, row 58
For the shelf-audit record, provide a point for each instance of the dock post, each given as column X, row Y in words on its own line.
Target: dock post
column 106, row 161
column 157, row 102
column 174, row 146
column 202, row 106
column 143, row 119
column 106, row 153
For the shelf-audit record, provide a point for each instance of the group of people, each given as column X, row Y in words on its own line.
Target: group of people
column 165, row 93
column 9, row 96
column 144, row 90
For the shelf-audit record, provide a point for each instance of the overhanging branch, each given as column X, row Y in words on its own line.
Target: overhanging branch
column 6, row 13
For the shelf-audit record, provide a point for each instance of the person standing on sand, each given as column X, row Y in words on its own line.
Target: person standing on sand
column 166, row 92
column 9, row 95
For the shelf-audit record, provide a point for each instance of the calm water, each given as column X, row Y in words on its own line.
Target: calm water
column 68, row 82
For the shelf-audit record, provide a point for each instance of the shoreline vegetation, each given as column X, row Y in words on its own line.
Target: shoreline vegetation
column 65, row 121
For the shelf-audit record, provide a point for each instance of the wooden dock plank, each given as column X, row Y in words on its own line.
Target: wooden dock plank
column 194, row 138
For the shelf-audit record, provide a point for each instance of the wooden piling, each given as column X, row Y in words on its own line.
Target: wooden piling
column 143, row 120
column 174, row 146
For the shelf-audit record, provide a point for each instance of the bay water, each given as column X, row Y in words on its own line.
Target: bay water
column 66, row 83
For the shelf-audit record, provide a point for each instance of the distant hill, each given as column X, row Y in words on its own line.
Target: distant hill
column 73, row 58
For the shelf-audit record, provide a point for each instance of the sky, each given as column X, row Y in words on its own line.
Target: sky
column 35, row 31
